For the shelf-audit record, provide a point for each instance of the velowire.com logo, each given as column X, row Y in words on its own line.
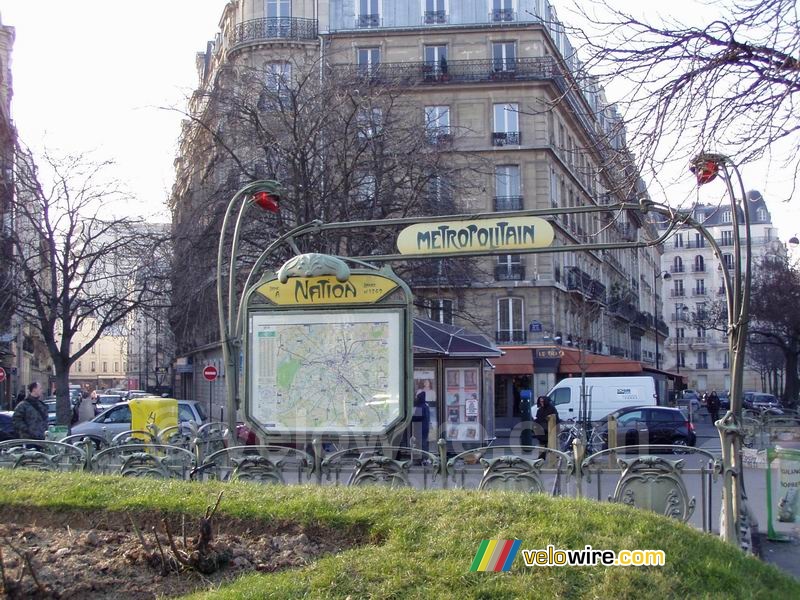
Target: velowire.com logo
column 495, row 555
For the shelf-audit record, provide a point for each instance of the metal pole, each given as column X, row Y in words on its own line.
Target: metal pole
column 655, row 314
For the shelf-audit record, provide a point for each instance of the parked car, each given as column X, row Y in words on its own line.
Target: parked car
column 724, row 400
column 650, row 424
column 763, row 401
column 118, row 418
column 106, row 401
column 7, row 431
column 689, row 398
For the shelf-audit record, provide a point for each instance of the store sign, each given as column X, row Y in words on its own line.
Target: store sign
column 514, row 233
column 327, row 290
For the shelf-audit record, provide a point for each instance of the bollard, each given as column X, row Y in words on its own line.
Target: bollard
column 552, row 439
column 578, row 452
column 442, row 444
column 316, row 444
column 612, row 440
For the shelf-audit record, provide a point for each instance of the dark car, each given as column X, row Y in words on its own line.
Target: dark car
column 646, row 425
column 7, row 431
column 724, row 400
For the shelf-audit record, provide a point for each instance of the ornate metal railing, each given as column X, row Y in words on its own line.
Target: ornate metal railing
column 368, row 21
column 502, row 15
column 274, row 28
column 506, row 138
column 509, row 272
column 517, row 336
column 434, row 17
column 502, row 203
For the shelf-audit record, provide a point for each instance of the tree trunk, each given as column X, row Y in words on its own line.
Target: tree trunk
column 63, row 404
column 792, row 383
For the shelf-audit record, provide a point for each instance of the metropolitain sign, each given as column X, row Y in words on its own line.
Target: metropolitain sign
column 514, row 233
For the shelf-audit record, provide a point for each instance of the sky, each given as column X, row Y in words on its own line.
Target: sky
column 100, row 76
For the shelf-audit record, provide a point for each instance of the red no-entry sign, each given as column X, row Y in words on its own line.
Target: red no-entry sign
column 2, row 374
column 210, row 373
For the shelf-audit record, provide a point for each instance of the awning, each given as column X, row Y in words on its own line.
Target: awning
column 596, row 364
column 434, row 339
column 515, row 361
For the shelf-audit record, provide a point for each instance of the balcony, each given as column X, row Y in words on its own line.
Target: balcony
column 726, row 241
column 677, row 293
column 368, row 21
column 539, row 68
column 509, row 272
column 676, row 269
column 641, row 321
column 618, row 351
column 701, row 365
column 434, row 17
column 505, row 138
column 597, row 291
column 439, row 136
column 502, row 15
column 502, row 203
column 517, row 336
column 275, row 28
column 622, row 310
column 578, row 281
column 699, row 292
column 662, row 327
column 698, row 268
column 696, row 243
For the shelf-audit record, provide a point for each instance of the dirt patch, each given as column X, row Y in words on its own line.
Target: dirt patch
column 99, row 555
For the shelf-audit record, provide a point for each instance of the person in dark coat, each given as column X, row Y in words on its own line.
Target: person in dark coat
column 543, row 411
column 30, row 415
column 713, row 404
column 421, row 420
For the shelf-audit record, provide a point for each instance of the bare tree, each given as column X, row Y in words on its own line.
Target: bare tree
column 74, row 261
column 346, row 144
column 731, row 84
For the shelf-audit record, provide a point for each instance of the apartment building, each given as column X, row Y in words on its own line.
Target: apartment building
column 105, row 364
column 695, row 289
column 495, row 82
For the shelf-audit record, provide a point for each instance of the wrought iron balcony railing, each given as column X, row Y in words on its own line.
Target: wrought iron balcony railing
column 538, row 68
column 434, row 17
column 368, row 21
column 698, row 268
column 288, row 28
column 676, row 269
column 505, row 138
column 699, row 292
column 677, row 293
column 701, row 365
column 507, row 203
column 516, row 336
column 509, row 272
column 500, row 15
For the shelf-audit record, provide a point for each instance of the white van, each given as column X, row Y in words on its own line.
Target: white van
column 604, row 395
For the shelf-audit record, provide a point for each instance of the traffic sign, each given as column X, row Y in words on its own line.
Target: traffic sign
column 210, row 373
column 2, row 374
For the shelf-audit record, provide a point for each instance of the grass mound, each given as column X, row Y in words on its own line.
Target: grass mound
column 421, row 544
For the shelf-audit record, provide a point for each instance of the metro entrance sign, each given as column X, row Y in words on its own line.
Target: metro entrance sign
column 210, row 373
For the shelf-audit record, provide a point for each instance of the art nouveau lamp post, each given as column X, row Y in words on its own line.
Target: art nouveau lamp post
column 706, row 168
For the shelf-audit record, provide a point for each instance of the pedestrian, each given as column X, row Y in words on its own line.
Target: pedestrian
column 30, row 415
column 87, row 408
column 421, row 419
column 713, row 405
column 543, row 411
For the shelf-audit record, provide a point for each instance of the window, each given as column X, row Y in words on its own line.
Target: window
column 682, row 358
column 680, row 333
column 699, row 240
column 762, row 215
column 700, row 287
column 677, row 265
column 727, row 260
column 560, row 396
column 105, row 367
column 679, row 240
column 702, row 360
column 509, row 268
column 437, row 122
column 726, row 216
column 185, row 413
column 629, row 418
column 368, row 13
column 80, row 364
column 435, row 58
column 91, row 350
column 701, row 332
column 278, row 77
column 727, row 238
column 367, row 60
column 506, row 181
column 116, row 367
column 370, row 123
column 726, row 360
column 120, row 414
column 434, row 11
column 93, row 367
column 699, row 264
column 555, row 197
column 279, row 9
column 510, row 316
column 440, row 195
column 506, row 124
column 502, row 10
column 504, row 57
column 679, row 291
column 441, row 310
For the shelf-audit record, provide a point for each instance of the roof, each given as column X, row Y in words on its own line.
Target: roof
column 437, row 340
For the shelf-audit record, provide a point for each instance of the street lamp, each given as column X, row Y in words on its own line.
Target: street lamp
column 666, row 277
column 680, row 315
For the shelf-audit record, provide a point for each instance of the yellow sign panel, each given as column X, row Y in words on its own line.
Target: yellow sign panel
column 327, row 290
column 161, row 412
column 513, row 233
